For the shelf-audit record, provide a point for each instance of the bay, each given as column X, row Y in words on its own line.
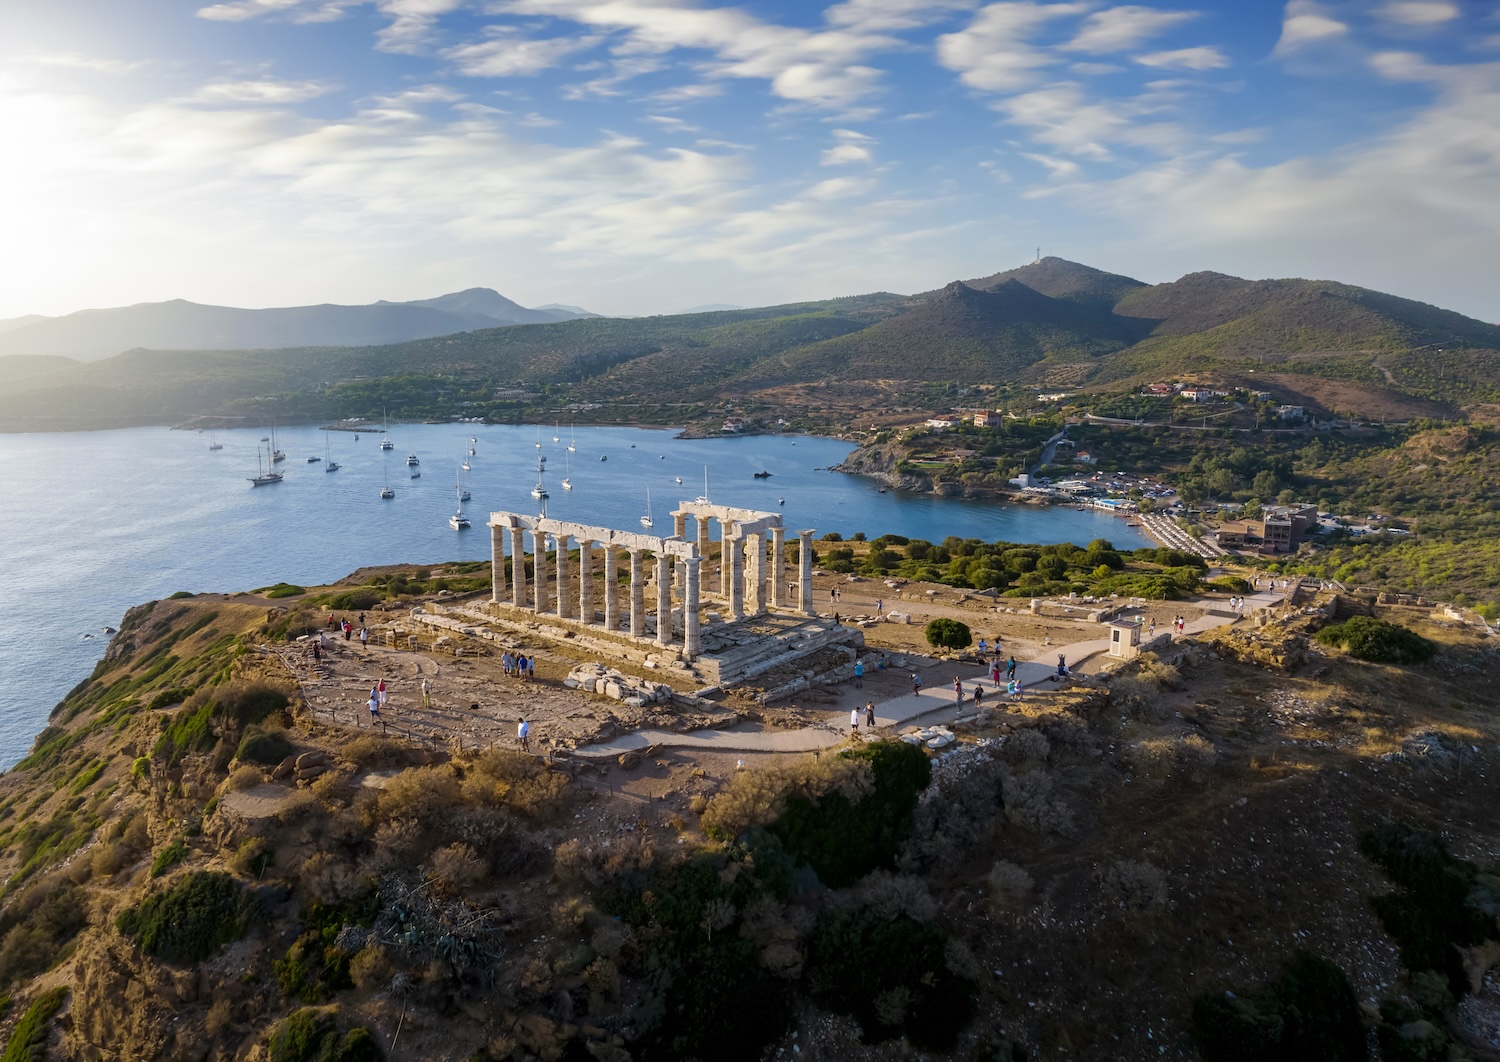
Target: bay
column 95, row 522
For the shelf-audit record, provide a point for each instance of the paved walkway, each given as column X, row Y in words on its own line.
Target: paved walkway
column 936, row 699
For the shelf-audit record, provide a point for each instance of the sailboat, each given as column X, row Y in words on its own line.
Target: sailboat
column 572, row 438
column 458, row 521
column 556, row 429
column 568, row 478
column 214, row 444
column 385, row 492
column 538, row 436
column 472, row 441
column 702, row 499
column 329, row 464
column 646, row 520
column 385, row 428
column 276, row 454
column 539, row 492
column 263, row 475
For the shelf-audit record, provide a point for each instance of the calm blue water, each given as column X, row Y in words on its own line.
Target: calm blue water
column 94, row 522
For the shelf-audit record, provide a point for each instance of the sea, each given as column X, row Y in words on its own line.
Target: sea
column 92, row 523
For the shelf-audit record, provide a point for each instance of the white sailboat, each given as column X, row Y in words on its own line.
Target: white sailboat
column 385, row 428
column 263, row 475
column 276, row 454
column 472, row 441
column 702, row 499
column 213, row 443
column 539, row 492
column 458, row 521
column 572, row 438
column 567, row 483
column 385, row 491
column 329, row 464
column 556, row 437
column 538, row 436
column 646, row 520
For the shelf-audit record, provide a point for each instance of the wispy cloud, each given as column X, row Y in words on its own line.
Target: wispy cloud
column 261, row 91
column 92, row 63
column 1119, row 29
column 1203, row 57
column 1424, row 13
column 1306, row 22
column 849, row 147
column 994, row 52
column 504, row 54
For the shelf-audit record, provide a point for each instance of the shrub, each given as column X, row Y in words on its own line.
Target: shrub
column 892, row 975
column 167, row 698
column 265, row 747
column 28, row 1040
column 1378, row 641
column 283, row 590
column 1135, row 885
column 457, row 867
column 371, row 753
column 1029, row 804
column 1009, row 885
column 1027, row 746
column 353, row 601
column 1308, row 1014
column 248, row 702
column 945, row 633
column 191, row 731
column 309, row 1035
column 845, row 839
column 246, row 776
column 36, row 926
column 169, row 857
column 190, row 921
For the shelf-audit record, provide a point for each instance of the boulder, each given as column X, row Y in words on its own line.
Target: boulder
column 629, row 760
column 316, row 758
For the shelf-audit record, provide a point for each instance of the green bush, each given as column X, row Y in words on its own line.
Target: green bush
column 309, row 1035
column 282, row 590
column 37, row 925
column 28, row 1040
column 179, row 595
column 248, row 702
column 169, row 857
column 191, row 731
column 1308, row 1014
column 1378, row 641
column 353, row 601
column 1229, row 584
column 168, row 697
column 190, row 921
column 1433, row 911
column 267, row 748
column 892, row 974
column 843, row 839
column 945, row 633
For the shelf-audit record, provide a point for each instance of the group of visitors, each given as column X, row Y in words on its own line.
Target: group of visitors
column 518, row 665
column 869, row 718
column 378, row 695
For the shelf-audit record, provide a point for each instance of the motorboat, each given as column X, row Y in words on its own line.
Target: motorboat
column 539, row 492
column 458, row 521
column 762, row 474
column 387, row 493
column 411, row 459
column 314, row 460
column 385, row 428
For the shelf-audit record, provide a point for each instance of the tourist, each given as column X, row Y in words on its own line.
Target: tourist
column 1151, row 630
column 880, row 662
column 879, row 605
column 836, row 619
column 519, row 665
column 854, row 721
column 332, row 622
column 530, row 667
column 374, row 709
column 1010, row 689
column 523, row 734
column 859, row 674
column 983, row 647
column 1010, row 668
column 361, row 619
column 317, row 652
column 916, row 682
column 978, row 696
column 958, row 689
column 995, row 671
column 426, row 694
column 1062, row 668
column 870, row 715
column 506, row 660
column 348, row 629
column 380, row 689
column 1020, row 690
column 364, row 638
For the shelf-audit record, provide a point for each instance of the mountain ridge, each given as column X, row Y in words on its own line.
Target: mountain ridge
column 180, row 324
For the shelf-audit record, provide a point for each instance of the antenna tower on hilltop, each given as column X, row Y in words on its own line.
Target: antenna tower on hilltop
column 1038, row 254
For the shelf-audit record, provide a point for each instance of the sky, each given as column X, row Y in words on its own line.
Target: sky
column 646, row 156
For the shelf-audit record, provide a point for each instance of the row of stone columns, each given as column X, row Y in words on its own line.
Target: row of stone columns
column 743, row 586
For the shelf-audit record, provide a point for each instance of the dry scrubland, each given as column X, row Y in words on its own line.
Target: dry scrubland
column 198, row 865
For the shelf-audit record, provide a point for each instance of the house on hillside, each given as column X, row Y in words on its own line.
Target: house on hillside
column 1084, row 457
column 1290, row 412
column 940, row 423
column 734, row 424
column 1279, row 530
column 988, row 418
column 1159, row 390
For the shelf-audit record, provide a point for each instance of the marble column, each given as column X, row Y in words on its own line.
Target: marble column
column 637, row 596
column 497, row 561
column 586, row 581
column 518, row 567
column 805, row 557
column 734, row 560
column 692, row 641
column 539, row 571
column 755, row 567
column 611, row 577
column 663, row 599
column 704, row 588
column 727, row 545
column 778, row 568
column 564, row 580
